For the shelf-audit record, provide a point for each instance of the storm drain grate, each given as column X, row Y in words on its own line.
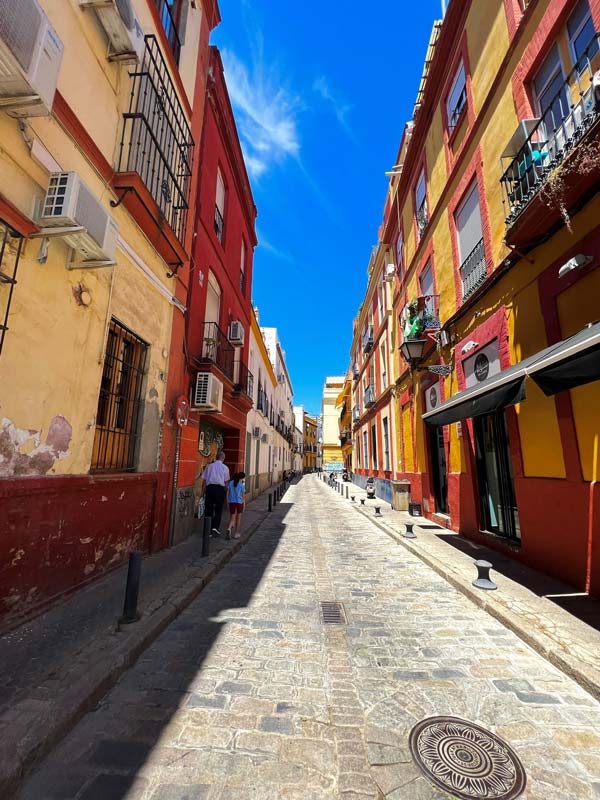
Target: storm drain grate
column 332, row 613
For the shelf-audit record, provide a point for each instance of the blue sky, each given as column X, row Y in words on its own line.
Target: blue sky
column 321, row 92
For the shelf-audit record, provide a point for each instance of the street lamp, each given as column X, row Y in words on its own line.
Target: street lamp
column 412, row 351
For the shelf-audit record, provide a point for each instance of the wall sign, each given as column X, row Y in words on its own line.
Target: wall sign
column 432, row 397
column 482, row 364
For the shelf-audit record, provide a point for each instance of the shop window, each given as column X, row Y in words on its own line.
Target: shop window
column 457, row 98
column 119, row 414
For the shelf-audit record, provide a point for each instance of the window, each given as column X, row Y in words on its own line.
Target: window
column 220, row 207
column 551, row 92
column 365, row 449
column 427, row 290
column 243, row 268
column 374, row 446
column 400, row 253
column 457, row 99
column 421, row 204
column 381, row 298
column 383, row 367
column 470, row 242
column 580, row 27
column 171, row 16
column 118, row 418
column 386, row 444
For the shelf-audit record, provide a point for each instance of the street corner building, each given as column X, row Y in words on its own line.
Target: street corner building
column 476, row 351
column 101, row 117
column 218, row 320
column 332, row 448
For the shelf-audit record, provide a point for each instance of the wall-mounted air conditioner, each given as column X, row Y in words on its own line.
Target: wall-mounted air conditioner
column 122, row 27
column 88, row 228
column 390, row 271
column 30, row 58
column 207, row 393
column 236, row 332
column 256, row 433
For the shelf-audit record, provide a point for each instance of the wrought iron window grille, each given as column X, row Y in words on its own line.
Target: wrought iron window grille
column 473, row 270
column 11, row 246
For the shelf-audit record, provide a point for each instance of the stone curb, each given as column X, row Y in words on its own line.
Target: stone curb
column 588, row 679
column 40, row 736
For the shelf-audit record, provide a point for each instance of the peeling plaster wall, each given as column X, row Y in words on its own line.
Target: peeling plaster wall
column 58, row 533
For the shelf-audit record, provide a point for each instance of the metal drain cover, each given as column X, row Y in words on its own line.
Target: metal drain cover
column 332, row 613
column 467, row 761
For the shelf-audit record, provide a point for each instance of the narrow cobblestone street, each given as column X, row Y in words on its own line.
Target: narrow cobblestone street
column 249, row 695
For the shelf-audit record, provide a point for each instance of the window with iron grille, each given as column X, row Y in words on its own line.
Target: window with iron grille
column 220, row 207
column 157, row 140
column 170, row 16
column 119, row 415
column 11, row 244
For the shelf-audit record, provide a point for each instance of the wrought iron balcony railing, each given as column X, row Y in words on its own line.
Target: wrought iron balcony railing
column 355, row 414
column 157, row 140
column 216, row 349
column 540, row 145
column 473, row 270
column 219, row 224
column 245, row 381
column 169, row 24
column 369, row 398
column 368, row 340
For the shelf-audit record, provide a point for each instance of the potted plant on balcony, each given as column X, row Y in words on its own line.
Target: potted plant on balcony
column 412, row 318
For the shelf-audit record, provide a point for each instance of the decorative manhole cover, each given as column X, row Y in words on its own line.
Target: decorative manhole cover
column 332, row 613
column 467, row 761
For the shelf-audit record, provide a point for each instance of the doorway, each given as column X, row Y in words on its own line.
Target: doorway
column 498, row 504
column 439, row 472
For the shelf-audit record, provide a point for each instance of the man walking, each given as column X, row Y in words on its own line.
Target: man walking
column 216, row 478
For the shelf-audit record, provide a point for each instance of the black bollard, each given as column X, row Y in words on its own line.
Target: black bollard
column 377, row 511
column 132, row 589
column 410, row 534
column 206, row 536
column 346, row 492
column 362, row 501
column 270, row 502
column 483, row 580
column 353, row 498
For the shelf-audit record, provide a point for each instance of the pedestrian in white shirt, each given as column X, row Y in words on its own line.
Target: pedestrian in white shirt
column 216, row 478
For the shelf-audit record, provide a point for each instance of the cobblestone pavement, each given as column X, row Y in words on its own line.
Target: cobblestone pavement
column 248, row 695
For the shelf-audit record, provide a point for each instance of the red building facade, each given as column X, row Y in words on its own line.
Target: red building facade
column 219, row 384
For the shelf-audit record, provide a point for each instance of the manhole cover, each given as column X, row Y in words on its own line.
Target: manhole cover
column 467, row 761
column 332, row 613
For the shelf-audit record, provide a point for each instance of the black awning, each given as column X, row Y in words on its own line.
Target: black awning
column 570, row 363
column 474, row 404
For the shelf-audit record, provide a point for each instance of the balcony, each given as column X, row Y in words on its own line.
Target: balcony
column 154, row 164
column 355, row 414
column 217, row 350
column 368, row 340
column 421, row 315
column 369, row 398
column 473, row 271
column 551, row 163
column 169, row 23
column 345, row 438
column 245, row 381
column 422, row 219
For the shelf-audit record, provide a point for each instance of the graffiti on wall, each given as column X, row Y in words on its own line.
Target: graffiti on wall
column 22, row 452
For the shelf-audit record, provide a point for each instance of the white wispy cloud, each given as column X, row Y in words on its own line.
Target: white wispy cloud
column 266, row 112
column 341, row 109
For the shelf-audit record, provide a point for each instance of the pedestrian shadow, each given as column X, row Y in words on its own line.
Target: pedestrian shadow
column 104, row 756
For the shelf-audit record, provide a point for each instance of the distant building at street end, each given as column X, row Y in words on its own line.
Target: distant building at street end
column 332, row 449
column 344, row 408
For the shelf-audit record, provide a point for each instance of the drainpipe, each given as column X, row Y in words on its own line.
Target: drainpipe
column 174, row 488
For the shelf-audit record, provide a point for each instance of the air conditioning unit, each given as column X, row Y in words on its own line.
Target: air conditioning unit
column 69, row 203
column 30, row 58
column 256, row 433
column 208, row 392
column 390, row 271
column 236, row 332
column 122, row 27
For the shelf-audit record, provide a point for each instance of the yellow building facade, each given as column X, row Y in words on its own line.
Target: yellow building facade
column 491, row 220
column 97, row 183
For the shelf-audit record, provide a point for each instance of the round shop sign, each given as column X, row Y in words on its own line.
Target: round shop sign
column 433, row 397
column 482, row 367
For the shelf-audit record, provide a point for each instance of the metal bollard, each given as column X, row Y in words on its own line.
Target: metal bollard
column 409, row 533
column 362, row 501
column 132, row 589
column 353, row 498
column 270, row 502
column 378, row 511
column 483, row 580
column 206, row 537
column 346, row 492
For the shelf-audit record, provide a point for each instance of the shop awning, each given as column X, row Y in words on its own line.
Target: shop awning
column 570, row 363
column 565, row 365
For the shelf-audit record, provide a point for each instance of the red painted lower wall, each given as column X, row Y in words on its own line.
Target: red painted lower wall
column 58, row 533
column 594, row 524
